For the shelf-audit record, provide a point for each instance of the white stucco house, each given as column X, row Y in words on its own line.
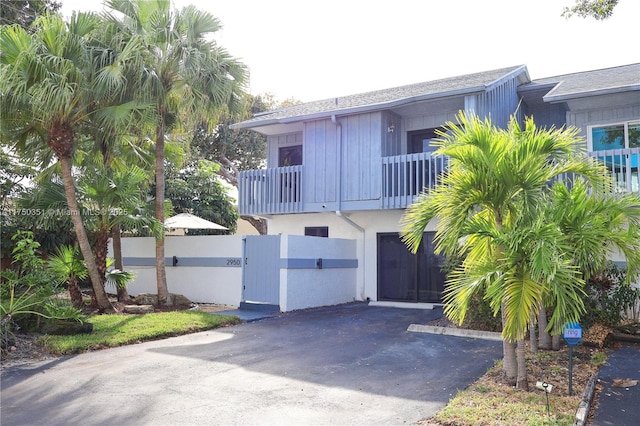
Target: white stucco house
column 347, row 167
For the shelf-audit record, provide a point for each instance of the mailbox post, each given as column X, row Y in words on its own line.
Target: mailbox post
column 572, row 334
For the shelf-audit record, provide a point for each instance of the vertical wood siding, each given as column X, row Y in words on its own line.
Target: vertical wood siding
column 499, row 103
column 321, row 161
column 361, row 147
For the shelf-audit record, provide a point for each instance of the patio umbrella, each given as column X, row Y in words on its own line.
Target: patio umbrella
column 189, row 221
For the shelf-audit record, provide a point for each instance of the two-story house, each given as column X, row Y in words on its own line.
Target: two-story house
column 347, row 167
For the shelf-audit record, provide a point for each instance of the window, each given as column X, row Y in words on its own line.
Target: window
column 615, row 136
column 617, row 146
column 420, row 141
column 316, row 231
column 290, row 156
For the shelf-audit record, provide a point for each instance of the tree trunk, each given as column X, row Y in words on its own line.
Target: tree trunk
column 81, row 234
column 555, row 342
column 74, row 293
column 161, row 275
column 116, row 237
column 522, row 382
column 258, row 223
column 101, row 246
column 533, row 338
column 544, row 338
column 509, row 365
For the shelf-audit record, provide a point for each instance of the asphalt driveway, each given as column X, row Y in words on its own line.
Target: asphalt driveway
column 347, row 364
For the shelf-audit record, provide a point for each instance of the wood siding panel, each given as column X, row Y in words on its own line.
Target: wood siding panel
column 320, row 179
column 499, row 103
column 362, row 144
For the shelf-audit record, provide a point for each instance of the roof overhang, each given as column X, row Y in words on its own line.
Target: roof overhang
column 552, row 98
column 261, row 125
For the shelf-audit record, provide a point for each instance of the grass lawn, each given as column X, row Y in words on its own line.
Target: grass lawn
column 117, row 330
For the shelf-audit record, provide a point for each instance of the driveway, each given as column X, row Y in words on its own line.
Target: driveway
column 346, row 364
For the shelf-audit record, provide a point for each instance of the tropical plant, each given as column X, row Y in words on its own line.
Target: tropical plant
column 609, row 299
column 186, row 76
column 67, row 267
column 23, row 289
column 117, row 198
column 491, row 211
column 51, row 80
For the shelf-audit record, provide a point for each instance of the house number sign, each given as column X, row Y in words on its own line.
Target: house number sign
column 572, row 334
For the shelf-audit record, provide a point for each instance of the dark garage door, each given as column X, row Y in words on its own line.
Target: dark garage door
column 407, row 277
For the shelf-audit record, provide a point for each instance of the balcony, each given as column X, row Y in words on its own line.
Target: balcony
column 404, row 177
column 622, row 164
column 270, row 191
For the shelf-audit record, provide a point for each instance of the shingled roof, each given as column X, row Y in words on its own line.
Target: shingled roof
column 386, row 98
column 589, row 83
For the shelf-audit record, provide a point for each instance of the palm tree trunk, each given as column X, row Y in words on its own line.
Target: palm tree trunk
column 161, row 276
column 522, row 382
column 544, row 338
column 116, row 237
column 555, row 342
column 533, row 338
column 509, row 364
column 74, row 293
column 81, row 234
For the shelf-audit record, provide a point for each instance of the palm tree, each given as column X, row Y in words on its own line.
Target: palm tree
column 47, row 86
column 116, row 196
column 187, row 77
column 66, row 265
column 489, row 207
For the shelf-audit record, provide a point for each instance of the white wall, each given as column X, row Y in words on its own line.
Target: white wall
column 212, row 284
column 373, row 222
column 308, row 287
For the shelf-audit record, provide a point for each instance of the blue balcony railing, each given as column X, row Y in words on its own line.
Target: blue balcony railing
column 404, row 177
column 270, row 191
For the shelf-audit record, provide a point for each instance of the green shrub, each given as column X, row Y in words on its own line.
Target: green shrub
column 480, row 315
column 26, row 291
column 608, row 297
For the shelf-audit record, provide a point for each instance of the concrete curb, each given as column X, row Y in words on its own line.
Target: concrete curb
column 585, row 403
column 458, row 332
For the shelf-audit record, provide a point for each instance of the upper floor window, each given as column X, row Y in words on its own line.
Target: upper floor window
column 420, row 141
column 614, row 136
column 290, row 156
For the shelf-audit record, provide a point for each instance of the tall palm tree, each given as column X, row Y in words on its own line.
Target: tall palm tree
column 46, row 83
column 187, row 77
column 490, row 211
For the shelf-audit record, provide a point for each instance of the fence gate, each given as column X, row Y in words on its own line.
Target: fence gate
column 261, row 269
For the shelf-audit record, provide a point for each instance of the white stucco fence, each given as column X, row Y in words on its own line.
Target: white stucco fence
column 306, row 287
column 209, row 269
column 204, row 284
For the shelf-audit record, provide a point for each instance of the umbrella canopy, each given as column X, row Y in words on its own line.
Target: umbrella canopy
column 189, row 221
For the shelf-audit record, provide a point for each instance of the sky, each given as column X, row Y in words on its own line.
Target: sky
column 318, row 49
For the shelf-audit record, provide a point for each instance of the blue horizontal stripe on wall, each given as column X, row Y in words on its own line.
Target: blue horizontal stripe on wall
column 236, row 262
column 312, row 263
column 217, row 262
